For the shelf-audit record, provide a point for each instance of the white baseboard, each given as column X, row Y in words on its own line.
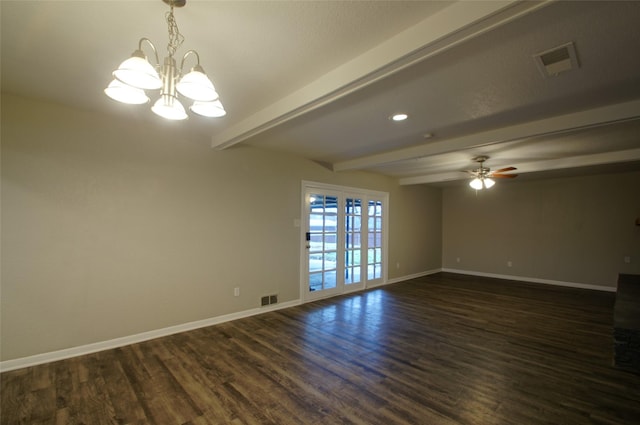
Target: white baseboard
column 411, row 276
column 534, row 280
column 53, row 356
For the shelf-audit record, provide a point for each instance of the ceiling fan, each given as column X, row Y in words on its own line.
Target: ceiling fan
column 483, row 176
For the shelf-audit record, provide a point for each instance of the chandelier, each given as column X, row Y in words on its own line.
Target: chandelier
column 136, row 74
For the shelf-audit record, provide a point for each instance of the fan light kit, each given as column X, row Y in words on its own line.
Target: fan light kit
column 399, row 117
column 483, row 176
column 136, row 74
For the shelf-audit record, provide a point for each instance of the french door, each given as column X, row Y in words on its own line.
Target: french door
column 344, row 240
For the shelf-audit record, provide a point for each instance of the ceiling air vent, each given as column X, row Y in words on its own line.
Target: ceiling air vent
column 559, row 59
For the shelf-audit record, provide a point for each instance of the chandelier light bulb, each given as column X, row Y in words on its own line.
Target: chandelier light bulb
column 124, row 93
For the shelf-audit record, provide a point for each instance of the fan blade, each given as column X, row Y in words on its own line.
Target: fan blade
column 502, row 170
column 503, row 176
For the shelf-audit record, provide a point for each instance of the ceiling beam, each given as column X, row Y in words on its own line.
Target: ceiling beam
column 452, row 25
column 616, row 157
column 555, row 125
column 433, row 178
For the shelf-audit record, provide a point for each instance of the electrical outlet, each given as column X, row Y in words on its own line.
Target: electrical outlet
column 509, row 264
column 627, row 259
column 236, row 291
column 458, row 260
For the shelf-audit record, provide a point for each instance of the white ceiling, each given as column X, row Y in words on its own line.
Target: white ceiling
column 320, row 78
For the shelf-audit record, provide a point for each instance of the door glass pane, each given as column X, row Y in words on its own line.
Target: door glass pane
column 330, row 241
column 352, row 275
column 316, row 222
column 374, row 271
column 356, row 274
column 315, row 281
column 329, row 260
column 330, row 223
column 348, row 276
column 315, row 243
column 315, row 262
column 329, row 280
column 374, row 239
column 316, row 202
column 322, row 242
column 353, row 218
column 331, row 205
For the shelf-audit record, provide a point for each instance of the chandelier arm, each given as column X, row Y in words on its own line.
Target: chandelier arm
column 153, row 47
column 185, row 57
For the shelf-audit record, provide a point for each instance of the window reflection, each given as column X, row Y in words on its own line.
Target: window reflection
column 362, row 313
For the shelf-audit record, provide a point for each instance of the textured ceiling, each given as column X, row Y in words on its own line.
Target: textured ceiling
column 255, row 51
column 320, row 79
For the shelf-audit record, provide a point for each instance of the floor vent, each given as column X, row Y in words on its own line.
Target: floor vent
column 268, row 299
column 559, row 59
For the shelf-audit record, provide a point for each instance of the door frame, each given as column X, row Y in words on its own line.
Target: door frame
column 344, row 192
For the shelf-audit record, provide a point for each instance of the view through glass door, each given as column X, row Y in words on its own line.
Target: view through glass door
column 344, row 240
column 353, row 243
column 322, row 242
column 375, row 263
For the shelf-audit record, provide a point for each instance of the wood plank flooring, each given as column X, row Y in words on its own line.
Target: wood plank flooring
column 442, row 349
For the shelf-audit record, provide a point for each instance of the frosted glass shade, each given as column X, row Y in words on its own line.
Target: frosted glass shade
column 488, row 183
column 197, row 86
column 479, row 184
column 208, row 109
column 124, row 93
column 476, row 184
column 169, row 107
column 138, row 72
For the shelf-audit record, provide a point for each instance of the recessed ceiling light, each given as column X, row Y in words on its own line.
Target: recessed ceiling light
column 399, row 117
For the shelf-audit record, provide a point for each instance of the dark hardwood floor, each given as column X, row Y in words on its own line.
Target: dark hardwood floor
column 442, row 349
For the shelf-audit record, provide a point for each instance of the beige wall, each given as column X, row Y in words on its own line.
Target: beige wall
column 575, row 230
column 110, row 228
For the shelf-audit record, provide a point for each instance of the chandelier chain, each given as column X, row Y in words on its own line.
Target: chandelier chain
column 175, row 37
